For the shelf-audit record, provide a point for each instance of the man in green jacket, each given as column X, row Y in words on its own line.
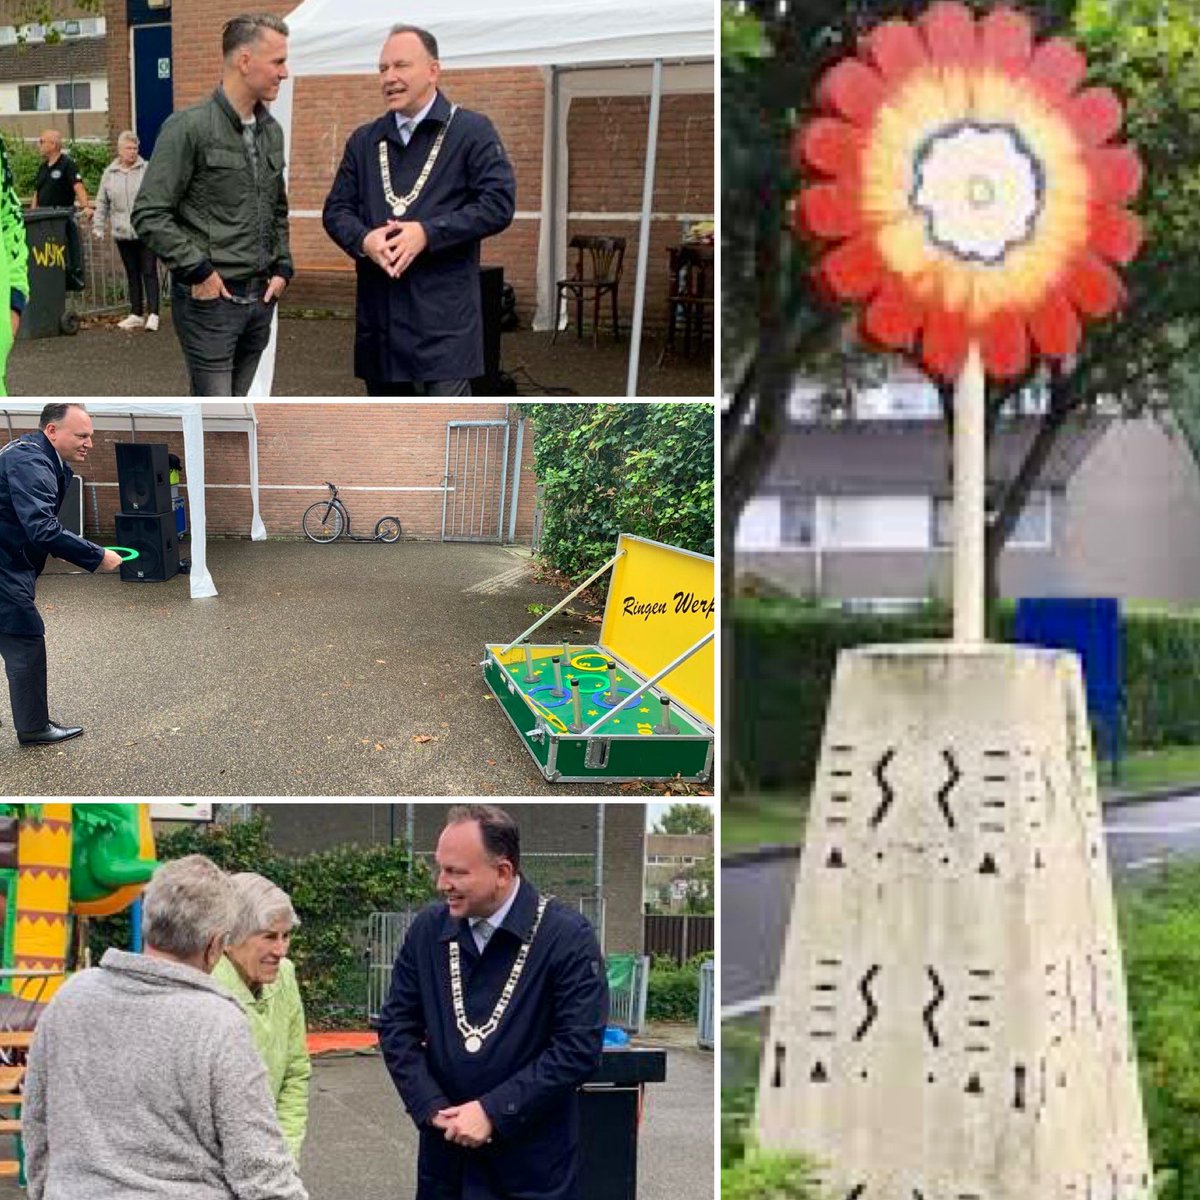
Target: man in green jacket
column 214, row 208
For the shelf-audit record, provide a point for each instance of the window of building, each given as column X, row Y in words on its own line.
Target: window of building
column 1031, row 532
column 82, row 96
column 797, row 521
column 875, row 523
column 33, row 97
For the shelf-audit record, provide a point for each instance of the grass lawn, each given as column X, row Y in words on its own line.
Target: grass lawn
column 1157, row 768
column 765, row 819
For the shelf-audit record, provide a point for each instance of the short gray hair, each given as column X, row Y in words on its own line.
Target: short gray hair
column 187, row 903
column 259, row 905
column 245, row 28
column 127, row 135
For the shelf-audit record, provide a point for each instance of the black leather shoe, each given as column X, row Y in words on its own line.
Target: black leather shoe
column 50, row 734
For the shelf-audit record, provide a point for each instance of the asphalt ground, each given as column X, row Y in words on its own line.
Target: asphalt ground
column 362, row 1146
column 315, row 358
column 343, row 670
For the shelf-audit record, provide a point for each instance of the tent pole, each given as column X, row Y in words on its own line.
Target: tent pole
column 552, row 208
column 639, row 293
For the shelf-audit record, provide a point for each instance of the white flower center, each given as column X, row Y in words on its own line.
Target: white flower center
column 979, row 189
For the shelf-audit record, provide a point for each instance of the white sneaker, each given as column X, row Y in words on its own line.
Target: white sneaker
column 133, row 321
column 152, row 323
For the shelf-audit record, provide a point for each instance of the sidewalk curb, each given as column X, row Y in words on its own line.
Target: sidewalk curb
column 1121, row 798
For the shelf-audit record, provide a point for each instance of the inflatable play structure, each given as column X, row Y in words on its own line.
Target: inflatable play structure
column 59, row 862
column 638, row 704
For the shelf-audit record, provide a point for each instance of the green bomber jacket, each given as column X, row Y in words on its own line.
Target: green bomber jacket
column 204, row 204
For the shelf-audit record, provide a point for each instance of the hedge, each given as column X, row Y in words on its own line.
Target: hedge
column 90, row 157
column 673, row 992
column 785, row 653
column 332, row 892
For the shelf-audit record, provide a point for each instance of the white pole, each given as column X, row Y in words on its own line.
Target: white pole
column 970, row 473
column 639, row 291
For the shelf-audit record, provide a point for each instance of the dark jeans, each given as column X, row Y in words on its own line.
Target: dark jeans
column 431, row 387
column 141, row 269
column 222, row 340
column 25, row 665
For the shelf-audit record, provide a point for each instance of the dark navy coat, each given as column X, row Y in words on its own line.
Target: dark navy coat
column 427, row 325
column 547, row 1043
column 32, row 485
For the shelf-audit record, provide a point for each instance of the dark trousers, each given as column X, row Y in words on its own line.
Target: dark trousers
column 25, row 665
column 222, row 340
column 432, row 387
column 141, row 269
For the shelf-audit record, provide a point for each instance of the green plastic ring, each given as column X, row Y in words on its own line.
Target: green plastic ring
column 127, row 553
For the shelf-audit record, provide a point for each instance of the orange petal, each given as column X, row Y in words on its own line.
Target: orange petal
column 944, row 342
column 1006, row 39
column 1055, row 327
column 894, row 49
column 830, row 146
column 830, row 210
column 894, row 316
column 1096, row 114
column 1093, row 286
column 949, row 32
column 1005, row 345
column 852, row 90
column 1116, row 233
column 1057, row 67
column 853, row 271
column 1116, row 173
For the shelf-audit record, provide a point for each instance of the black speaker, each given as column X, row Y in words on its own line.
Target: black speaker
column 143, row 477
column 608, row 1123
column 491, row 291
column 153, row 536
column 70, row 512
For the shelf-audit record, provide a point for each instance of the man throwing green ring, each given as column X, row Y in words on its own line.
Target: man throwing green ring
column 35, row 471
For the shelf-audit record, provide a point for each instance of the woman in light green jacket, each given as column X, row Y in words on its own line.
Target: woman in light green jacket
column 255, row 968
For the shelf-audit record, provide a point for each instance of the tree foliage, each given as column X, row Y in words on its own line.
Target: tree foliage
column 686, row 818
column 607, row 469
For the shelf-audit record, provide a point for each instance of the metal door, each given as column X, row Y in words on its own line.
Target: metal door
column 476, row 481
column 153, row 90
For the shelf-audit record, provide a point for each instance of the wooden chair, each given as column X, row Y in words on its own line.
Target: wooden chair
column 598, row 266
column 689, row 295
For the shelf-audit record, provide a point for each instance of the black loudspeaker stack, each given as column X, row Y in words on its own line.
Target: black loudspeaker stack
column 146, row 522
column 491, row 289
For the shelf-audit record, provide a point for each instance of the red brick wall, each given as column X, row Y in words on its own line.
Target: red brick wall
column 599, row 132
column 302, row 445
column 120, row 101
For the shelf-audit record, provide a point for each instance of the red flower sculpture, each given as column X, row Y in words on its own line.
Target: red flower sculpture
column 972, row 189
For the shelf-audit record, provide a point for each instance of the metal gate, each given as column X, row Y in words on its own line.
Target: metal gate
column 476, row 481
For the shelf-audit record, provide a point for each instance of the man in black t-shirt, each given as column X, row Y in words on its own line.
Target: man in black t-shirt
column 57, row 184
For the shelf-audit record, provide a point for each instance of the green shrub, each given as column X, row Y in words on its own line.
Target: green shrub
column 607, row 469
column 332, row 892
column 673, row 992
column 758, row 1175
column 90, row 157
column 786, row 652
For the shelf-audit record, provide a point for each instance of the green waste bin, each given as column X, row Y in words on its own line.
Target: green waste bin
column 46, row 312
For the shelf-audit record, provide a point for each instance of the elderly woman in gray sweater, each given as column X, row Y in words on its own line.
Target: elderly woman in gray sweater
column 118, row 190
column 143, row 1079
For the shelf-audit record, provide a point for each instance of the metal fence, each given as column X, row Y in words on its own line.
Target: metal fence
column 386, row 932
column 627, row 1002
column 678, row 936
column 708, row 999
column 106, row 290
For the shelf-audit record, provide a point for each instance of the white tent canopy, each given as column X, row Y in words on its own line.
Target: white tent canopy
column 343, row 37
column 19, row 416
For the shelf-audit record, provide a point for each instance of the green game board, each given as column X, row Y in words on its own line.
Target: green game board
column 627, row 743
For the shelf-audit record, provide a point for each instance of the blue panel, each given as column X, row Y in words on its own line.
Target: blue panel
column 153, row 90
column 139, row 12
column 1092, row 628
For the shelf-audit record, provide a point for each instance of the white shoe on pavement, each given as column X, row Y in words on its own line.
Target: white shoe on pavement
column 152, row 323
column 133, row 321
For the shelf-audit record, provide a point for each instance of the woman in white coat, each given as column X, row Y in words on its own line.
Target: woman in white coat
column 114, row 204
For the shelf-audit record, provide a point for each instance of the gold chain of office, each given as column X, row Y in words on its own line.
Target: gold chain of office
column 401, row 204
column 475, row 1035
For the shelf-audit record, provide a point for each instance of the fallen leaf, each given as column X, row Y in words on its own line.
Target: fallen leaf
column 422, row 738
column 491, row 762
column 378, row 746
column 382, row 662
column 445, row 724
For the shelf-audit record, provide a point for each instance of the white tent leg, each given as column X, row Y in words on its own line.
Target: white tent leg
column 258, row 531
column 200, row 581
column 639, row 291
column 547, row 252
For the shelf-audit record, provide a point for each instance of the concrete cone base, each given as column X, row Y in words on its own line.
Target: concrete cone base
column 951, row 1020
